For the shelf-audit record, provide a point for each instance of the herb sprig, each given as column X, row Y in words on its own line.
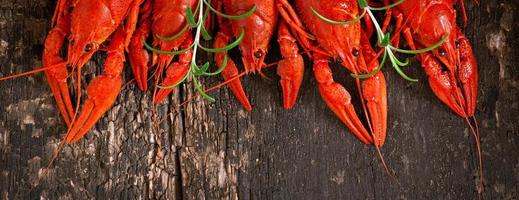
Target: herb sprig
column 196, row 23
column 383, row 39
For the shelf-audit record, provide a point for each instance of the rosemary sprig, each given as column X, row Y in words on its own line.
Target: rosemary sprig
column 202, row 11
column 383, row 40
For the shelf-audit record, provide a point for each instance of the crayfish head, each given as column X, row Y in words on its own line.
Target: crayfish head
column 257, row 33
column 80, row 51
column 254, row 58
column 438, row 22
column 254, row 49
column 453, row 74
column 448, row 53
column 348, row 56
column 92, row 24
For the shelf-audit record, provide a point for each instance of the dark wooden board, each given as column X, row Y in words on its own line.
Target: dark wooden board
column 219, row 151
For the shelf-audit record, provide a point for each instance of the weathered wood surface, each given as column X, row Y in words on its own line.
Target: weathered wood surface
column 219, row 151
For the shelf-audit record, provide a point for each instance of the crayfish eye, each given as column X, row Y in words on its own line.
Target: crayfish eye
column 89, row 47
column 442, row 52
column 258, row 54
column 457, row 44
column 355, row 52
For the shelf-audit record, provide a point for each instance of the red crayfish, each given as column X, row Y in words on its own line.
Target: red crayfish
column 349, row 43
column 116, row 26
column 451, row 68
column 88, row 26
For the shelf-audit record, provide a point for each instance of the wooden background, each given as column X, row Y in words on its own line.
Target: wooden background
column 219, row 151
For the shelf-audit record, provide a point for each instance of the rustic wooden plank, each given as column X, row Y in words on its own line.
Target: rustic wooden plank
column 218, row 151
column 127, row 156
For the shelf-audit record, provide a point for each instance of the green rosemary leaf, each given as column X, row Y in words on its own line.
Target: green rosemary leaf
column 226, row 48
column 190, row 17
column 201, row 90
column 220, row 69
column 365, row 76
column 400, row 72
column 421, row 50
column 175, row 36
column 330, row 21
column 206, row 34
column 233, row 17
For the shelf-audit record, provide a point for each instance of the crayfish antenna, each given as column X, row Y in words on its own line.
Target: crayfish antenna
column 34, row 71
column 69, row 129
column 477, row 138
column 382, row 160
column 480, row 155
column 59, row 89
column 61, row 145
column 56, row 152
column 226, row 82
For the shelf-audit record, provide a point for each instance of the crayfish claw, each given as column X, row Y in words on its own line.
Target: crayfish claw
column 338, row 99
column 102, row 92
column 468, row 74
column 59, row 88
column 138, row 56
column 375, row 95
column 291, row 69
column 291, row 72
column 230, row 72
column 57, row 76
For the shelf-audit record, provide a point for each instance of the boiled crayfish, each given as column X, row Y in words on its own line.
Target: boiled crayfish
column 348, row 43
column 166, row 21
column 451, row 68
column 87, row 25
column 257, row 30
